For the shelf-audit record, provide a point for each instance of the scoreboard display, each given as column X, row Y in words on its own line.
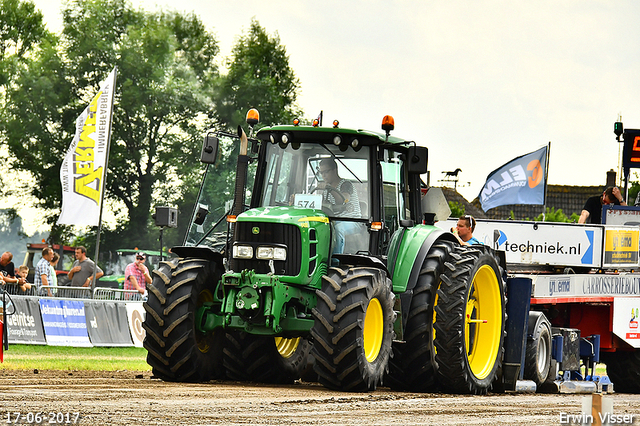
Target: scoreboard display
column 631, row 149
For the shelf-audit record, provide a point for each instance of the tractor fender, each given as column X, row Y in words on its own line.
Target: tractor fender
column 411, row 252
column 199, row 252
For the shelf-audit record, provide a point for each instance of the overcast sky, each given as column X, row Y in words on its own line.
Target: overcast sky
column 477, row 82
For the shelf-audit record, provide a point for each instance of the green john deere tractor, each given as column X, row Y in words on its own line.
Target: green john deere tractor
column 328, row 258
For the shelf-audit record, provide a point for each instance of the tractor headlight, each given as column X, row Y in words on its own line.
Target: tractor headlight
column 268, row 253
column 242, row 252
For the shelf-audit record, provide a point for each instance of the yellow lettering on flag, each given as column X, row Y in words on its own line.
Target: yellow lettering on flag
column 83, row 158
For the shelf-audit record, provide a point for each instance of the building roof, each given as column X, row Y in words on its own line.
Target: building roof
column 570, row 199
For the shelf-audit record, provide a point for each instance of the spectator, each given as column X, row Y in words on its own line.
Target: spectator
column 137, row 275
column 52, row 264
column 8, row 270
column 82, row 272
column 42, row 276
column 23, row 272
column 592, row 210
column 464, row 230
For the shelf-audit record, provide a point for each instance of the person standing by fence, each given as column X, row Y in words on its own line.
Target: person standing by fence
column 42, row 276
column 82, row 272
column 137, row 275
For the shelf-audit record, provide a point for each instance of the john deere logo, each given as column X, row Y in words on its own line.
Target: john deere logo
column 255, row 230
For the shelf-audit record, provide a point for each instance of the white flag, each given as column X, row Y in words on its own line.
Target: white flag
column 84, row 167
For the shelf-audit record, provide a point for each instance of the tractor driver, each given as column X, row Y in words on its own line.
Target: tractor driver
column 343, row 198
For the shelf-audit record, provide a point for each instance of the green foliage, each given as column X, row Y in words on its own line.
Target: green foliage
column 457, row 209
column 259, row 77
column 166, row 70
column 168, row 91
column 553, row 215
column 21, row 30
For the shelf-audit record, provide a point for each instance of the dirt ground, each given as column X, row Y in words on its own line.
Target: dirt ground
column 135, row 398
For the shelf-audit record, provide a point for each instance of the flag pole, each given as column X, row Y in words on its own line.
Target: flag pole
column 546, row 176
column 104, row 180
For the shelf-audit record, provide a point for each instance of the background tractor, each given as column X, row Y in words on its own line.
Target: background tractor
column 354, row 274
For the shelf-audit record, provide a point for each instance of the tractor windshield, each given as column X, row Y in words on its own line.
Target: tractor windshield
column 318, row 176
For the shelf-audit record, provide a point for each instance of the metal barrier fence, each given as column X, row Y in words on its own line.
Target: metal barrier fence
column 103, row 293
column 99, row 293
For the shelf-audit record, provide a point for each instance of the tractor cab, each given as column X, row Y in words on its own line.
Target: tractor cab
column 359, row 182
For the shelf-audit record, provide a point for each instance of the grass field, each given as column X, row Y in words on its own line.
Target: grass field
column 27, row 357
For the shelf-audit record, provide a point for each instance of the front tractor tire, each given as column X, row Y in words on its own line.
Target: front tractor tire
column 353, row 328
column 177, row 351
column 469, row 321
column 265, row 359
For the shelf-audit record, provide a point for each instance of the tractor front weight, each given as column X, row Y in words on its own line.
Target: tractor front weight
column 259, row 304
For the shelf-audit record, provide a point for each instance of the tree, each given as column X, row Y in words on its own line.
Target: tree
column 457, row 209
column 553, row 215
column 166, row 70
column 21, row 30
column 259, row 77
column 168, row 92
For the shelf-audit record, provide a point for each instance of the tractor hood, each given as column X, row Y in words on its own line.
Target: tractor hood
column 284, row 214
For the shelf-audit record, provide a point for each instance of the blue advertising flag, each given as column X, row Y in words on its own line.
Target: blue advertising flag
column 520, row 181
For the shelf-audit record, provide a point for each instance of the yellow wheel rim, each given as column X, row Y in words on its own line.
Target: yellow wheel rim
column 286, row 347
column 483, row 322
column 202, row 340
column 373, row 330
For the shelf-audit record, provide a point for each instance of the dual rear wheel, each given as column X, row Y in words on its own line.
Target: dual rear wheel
column 454, row 334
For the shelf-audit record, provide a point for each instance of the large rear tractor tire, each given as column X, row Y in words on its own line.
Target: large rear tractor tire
column 623, row 369
column 469, row 320
column 353, row 328
column 177, row 351
column 537, row 361
column 265, row 359
column 412, row 367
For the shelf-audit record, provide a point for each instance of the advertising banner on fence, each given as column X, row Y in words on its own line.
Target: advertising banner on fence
column 136, row 315
column 107, row 324
column 541, row 243
column 64, row 322
column 25, row 325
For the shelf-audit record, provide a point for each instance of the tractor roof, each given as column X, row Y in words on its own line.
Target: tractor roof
column 326, row 134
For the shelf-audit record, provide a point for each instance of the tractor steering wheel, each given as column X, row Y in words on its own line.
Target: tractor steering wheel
column 329, row 188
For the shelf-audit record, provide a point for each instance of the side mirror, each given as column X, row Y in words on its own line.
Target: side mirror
column 417, row 159
column 201, row 214
column 209, row 149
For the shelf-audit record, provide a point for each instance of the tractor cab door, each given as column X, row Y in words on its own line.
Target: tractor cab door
column 395, row 204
